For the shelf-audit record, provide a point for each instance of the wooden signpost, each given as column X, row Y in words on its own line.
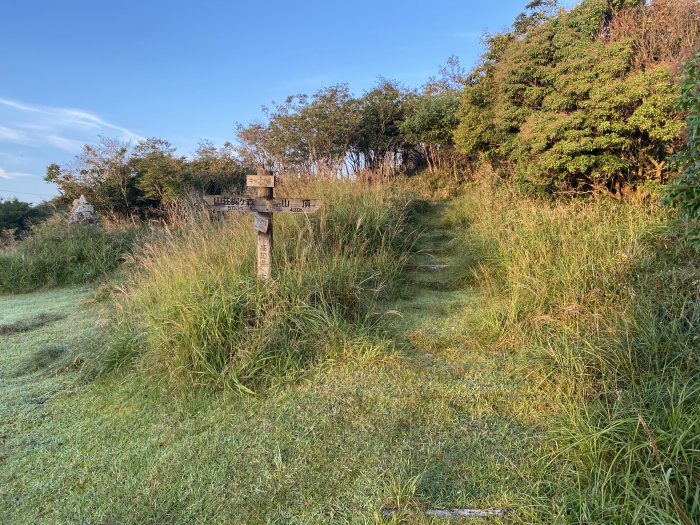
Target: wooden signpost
column 264, row 205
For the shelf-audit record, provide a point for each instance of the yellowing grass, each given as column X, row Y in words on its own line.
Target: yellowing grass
column 195, row 310
column 603, row 299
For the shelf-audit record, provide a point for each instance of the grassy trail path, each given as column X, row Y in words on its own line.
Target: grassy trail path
column 439, row 424
column 489, row 459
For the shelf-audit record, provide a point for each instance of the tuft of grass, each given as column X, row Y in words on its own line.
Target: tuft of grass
column 633, row 459
column 195, row 311
column 61, row 254
column 402, row 502
column 603, row 299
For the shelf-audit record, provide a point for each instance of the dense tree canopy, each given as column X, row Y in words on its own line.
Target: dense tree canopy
column 581, row 100
column 17, row 216
column 429, row 124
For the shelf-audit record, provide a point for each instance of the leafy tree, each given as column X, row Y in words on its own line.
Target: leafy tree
column 17, row 216
column 323, row 127
column 536, row 12
column 161, row 175
column 377, row 139
column 430, row 122
column 305, row 134
column 102, row 173
column 558, row 104
column 452, row 78
column 215, row 170
column 684, row 190
column 430, row 118
column 261, row 147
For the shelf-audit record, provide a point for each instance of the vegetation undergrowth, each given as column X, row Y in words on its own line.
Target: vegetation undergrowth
column 61, row 254
column 195, row 310
column 437, row 425
column 603, row 298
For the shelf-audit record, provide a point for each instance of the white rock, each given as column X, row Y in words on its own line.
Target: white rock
column 82, row 211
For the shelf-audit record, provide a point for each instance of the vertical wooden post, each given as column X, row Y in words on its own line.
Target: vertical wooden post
column 265, row 239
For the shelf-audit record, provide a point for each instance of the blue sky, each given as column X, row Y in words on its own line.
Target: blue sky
column 185, row 71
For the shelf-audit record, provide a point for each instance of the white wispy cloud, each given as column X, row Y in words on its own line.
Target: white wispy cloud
column 63, row 128
column 7, row 175
column 12, row 135
column 64, row 142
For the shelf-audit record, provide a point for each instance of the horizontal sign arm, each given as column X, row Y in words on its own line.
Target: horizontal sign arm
column 282, row 205
column 237, row 203
column 261, row 204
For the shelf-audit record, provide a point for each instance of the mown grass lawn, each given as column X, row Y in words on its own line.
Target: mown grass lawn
column 439, row 421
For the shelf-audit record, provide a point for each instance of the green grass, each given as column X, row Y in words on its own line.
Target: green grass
column 524, row 355
column 601, row 299
column 436, row 422
column 61, row 254
column 195, row 312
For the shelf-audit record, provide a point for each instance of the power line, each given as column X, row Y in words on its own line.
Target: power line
column 28, row 193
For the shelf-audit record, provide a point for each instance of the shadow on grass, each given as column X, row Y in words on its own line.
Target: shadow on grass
column 51, row 356
column 30, row 323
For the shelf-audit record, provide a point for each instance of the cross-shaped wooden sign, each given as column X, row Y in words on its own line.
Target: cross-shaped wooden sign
column 264, row 205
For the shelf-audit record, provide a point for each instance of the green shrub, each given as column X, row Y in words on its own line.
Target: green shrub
column 601, row 300
column 581, row 101
column 59, row 254
column 195, row 310
column 684, row 190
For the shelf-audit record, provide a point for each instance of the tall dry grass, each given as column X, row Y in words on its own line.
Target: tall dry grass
column 195, row 312
column 662, row 31
column 602, row 299
column 61, row 254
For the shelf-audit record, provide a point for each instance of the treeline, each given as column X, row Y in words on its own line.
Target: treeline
column 386, row 131
column 565, row 102
column 139, row 179
column 17, row 217
column 331, row 134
